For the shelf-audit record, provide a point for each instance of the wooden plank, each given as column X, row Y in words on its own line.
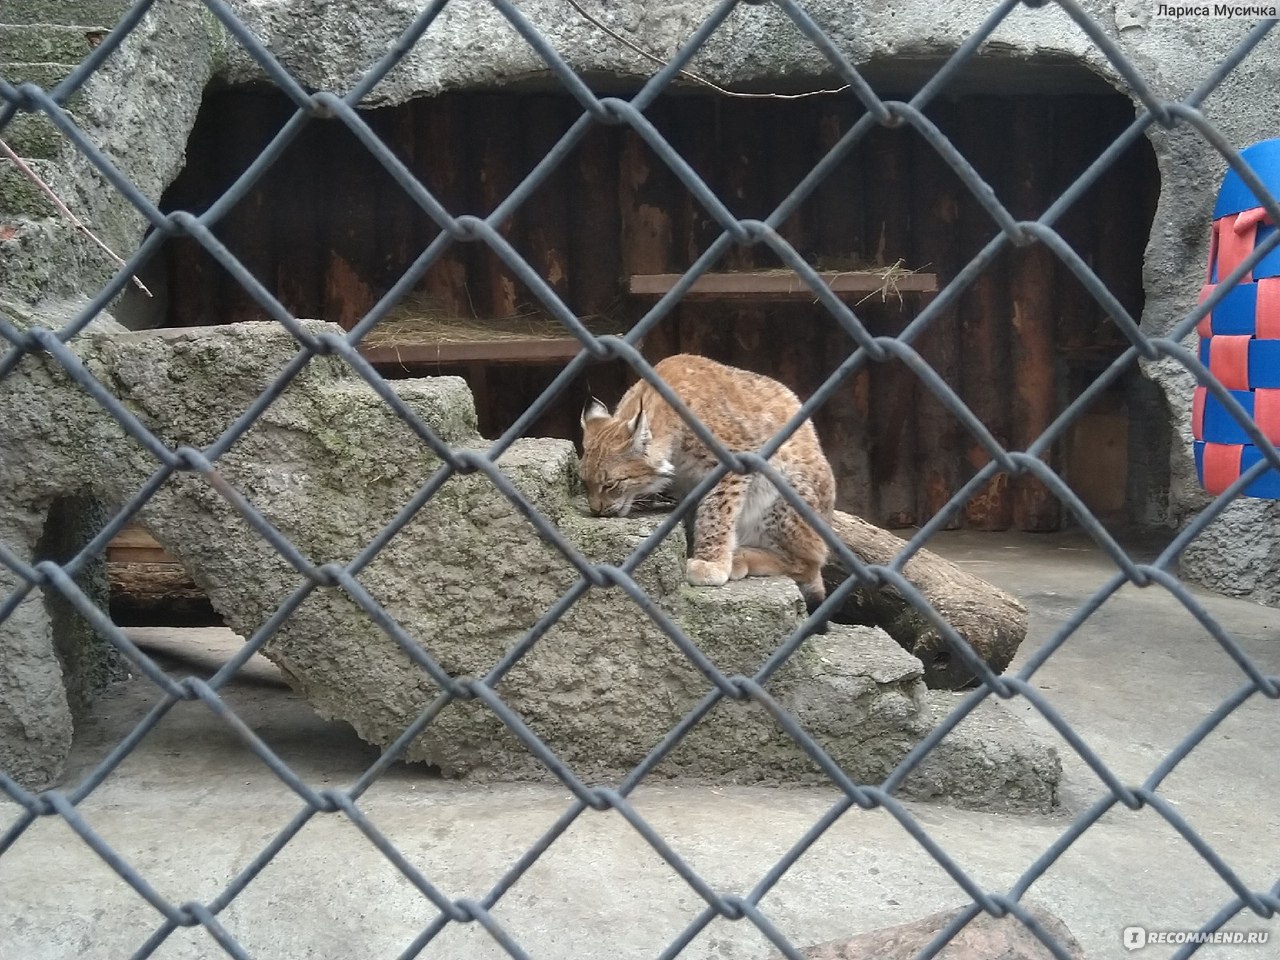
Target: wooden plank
column 194, row 276
column 792, row 127
column 474, row 351
column 785, row 285
column 1078, row 139
column 134, row 545
column 442, row 155
column 1031, row 287
column 134, row 536
column 838, row 213
column 595, row 240
column 301, row 210
column 246, row 127
column 351, row 244
column 893, row 420
column 545, row 214
column 138, row 555
column 696, row 134
column 646, row 189
column 1127, row 195
column 838, row 202
column 935, row 217
column 984, row 313
column 489, row 122
column 396, row 240
column 745, row 152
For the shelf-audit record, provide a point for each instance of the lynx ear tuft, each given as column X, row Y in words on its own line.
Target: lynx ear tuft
column 640, row 433
column 594, row 410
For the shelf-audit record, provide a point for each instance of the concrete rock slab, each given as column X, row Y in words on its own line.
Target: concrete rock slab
column 458, row 587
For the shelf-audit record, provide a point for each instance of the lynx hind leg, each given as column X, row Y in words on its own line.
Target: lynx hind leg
column 758, row 562
column 803, row 554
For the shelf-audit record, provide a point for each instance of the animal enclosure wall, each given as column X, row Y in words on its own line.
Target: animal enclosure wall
column 328, row 231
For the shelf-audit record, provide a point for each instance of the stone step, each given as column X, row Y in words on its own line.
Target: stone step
column 45, row 43
column 89, row 13
column 43, row 74
column 992, row 760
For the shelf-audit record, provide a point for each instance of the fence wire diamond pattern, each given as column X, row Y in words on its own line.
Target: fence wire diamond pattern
column 865, row 349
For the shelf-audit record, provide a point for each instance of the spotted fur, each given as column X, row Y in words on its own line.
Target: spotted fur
column 742, row 527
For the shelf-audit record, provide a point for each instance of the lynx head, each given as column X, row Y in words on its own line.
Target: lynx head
column 618, row 465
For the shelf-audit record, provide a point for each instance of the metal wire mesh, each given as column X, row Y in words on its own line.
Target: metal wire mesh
column 48, row 576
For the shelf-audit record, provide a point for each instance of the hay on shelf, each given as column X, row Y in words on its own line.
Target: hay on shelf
column 425, row 320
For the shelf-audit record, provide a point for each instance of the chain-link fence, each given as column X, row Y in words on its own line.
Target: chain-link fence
column 598, row 110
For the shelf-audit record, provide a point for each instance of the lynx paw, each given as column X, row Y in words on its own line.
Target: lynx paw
column 741, row 567
column 703, row 573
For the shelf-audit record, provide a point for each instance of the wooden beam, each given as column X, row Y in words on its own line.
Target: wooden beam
column 777, row 285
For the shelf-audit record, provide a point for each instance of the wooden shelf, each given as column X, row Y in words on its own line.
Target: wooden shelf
column 533, row 350
column 778, row 285
column 135, row 545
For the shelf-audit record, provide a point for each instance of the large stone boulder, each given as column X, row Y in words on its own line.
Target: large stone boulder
column 329, row 465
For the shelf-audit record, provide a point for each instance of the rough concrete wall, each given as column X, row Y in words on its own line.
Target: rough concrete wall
column 138, row 110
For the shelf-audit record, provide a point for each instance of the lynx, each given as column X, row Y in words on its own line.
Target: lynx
column 742, row 527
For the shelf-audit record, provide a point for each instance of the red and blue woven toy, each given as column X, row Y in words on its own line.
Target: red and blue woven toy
column 1240, row 339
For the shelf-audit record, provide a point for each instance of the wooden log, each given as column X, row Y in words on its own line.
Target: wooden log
column 1035, row 508
column 935, row 218
column 990, row 620
column 156, row 593
column 646, row 188
column 984, row 313
column 893, row 419
column 838, row 224
column 443, row 162
column 151, row 584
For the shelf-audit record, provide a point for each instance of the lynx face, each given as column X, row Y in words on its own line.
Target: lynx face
column 617, row 466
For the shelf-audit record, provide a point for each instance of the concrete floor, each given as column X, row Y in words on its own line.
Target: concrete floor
column 191, row 807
